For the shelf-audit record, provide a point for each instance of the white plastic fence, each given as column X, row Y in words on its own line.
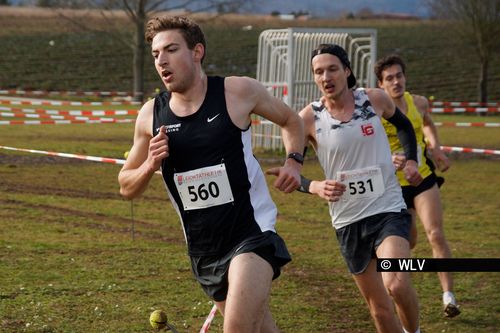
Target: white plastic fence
column 284, row 67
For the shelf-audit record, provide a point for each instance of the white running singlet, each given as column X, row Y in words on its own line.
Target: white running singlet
column 357, row 153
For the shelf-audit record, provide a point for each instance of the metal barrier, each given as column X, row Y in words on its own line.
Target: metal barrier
column 284, row 67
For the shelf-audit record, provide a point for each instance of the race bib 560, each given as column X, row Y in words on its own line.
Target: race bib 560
column 204, row 187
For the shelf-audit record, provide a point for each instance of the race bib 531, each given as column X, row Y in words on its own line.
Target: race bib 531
column 362, row 183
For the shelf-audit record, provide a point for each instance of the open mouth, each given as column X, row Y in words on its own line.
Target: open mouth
column 329, row 87
column 166, row 75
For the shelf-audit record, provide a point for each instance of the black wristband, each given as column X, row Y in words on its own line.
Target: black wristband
column 304, row 185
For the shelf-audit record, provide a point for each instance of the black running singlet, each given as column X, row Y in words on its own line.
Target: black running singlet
column 214, row 181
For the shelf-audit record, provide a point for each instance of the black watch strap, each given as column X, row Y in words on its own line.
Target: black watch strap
column 297, row 157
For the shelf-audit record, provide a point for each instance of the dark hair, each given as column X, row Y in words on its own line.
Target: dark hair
column 340, row 53
column 189, row 29
column 387, row 62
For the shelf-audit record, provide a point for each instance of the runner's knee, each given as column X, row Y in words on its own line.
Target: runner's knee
column 436, row 237
column 398, row 286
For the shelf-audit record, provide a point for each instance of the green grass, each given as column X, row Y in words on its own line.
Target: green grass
column 75, row 257
column 470, row 137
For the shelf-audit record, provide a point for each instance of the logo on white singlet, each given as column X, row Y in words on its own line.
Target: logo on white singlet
column 204, row 187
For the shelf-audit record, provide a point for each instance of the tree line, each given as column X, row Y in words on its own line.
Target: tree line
column 474, row 21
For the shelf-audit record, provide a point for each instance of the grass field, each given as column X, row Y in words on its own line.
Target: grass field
column 76, row 257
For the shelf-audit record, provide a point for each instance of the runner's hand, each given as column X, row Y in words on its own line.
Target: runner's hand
column 288, row 177
column 328, row 189
column 411, row 173
column 158, row 149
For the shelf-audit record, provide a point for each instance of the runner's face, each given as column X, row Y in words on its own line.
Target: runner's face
column 174, row 61
column 330, row 75
column 393, row 81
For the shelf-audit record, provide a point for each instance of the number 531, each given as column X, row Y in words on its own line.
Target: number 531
column 360, row 187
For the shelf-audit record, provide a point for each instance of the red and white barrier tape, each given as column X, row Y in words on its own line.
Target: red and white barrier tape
column 452, row 124
column 80, row 157
column 446, row 123
column 50, row 116
column 121, row 161
column 454, row 104
column 266, row 136
column 261, row 122
column 209, row 319
column 66, row 103
column 65, row 122
column 18, row 112
column 69, row 93
column 74, row 112
column 471, row 150
column 463, row 110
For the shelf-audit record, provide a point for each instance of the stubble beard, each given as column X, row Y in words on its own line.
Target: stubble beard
column 178, row 86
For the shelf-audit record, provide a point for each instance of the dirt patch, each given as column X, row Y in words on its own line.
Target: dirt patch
column 56, row 191
column 100, row 222
column 69, row 192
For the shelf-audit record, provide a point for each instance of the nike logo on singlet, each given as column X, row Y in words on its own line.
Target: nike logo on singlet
column 209, row 120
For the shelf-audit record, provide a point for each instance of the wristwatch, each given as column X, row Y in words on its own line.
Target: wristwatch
column 297, row 157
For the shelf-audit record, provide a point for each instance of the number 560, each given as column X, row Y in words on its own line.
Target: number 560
column 203, row 191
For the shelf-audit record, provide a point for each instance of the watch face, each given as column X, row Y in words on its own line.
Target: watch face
column 297, row 157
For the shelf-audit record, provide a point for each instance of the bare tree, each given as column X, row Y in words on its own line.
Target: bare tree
column 138, row 13
column 477, row 21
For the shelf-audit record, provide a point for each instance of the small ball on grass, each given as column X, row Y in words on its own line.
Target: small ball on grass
column 158, row 319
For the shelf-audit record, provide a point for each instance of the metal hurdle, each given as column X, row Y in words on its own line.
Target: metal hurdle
column 283, row 66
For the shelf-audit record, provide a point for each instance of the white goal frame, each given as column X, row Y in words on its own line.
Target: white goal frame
column 284, row 67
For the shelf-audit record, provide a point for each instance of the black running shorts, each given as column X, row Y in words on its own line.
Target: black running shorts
column 359, row 241
column 410, row 192
column 212, row 272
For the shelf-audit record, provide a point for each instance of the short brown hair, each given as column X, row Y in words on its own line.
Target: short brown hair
column 189, row 29
column 387, row 62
